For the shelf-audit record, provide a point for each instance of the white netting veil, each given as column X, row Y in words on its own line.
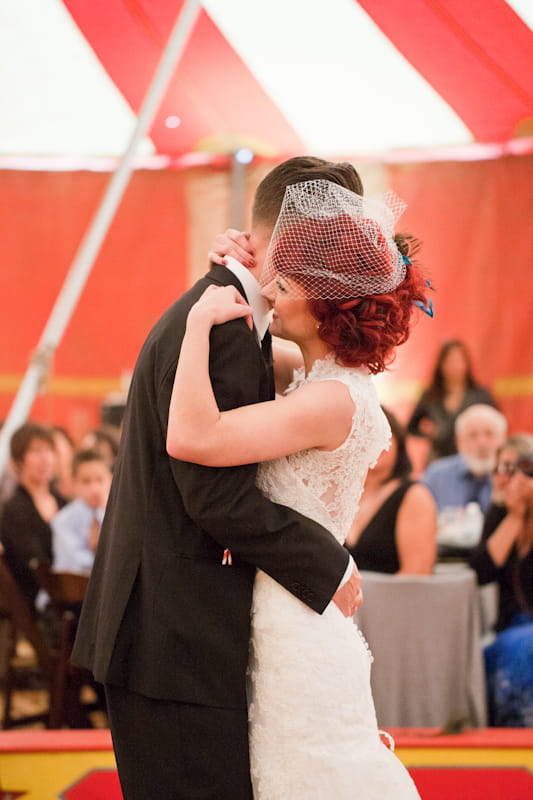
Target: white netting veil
column 334, row 244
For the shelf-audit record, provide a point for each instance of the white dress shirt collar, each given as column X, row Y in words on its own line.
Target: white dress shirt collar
column 261, row 311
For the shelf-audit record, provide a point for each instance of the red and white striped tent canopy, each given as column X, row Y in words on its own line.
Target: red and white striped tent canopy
column 348, row 77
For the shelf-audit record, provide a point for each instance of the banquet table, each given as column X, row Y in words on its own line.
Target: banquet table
column 425, row 636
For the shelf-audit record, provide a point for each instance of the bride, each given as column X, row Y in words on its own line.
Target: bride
column 341, row 290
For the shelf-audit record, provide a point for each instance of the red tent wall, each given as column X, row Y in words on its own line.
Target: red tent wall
column 474, row 221
column 137, row 274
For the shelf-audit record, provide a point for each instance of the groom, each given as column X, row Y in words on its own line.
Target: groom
column 165, row 624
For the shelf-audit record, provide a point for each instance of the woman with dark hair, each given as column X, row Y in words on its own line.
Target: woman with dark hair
column 395, row 528
column 342, row 291
column 452, row 389
column 25, row 531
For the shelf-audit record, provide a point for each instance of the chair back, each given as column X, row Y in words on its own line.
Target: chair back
column 64, row 588
column 66, row 591
column 424, row 634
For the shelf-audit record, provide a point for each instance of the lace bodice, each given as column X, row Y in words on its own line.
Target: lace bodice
column 327, row 485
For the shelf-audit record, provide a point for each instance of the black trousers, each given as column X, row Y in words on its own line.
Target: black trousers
column 175, row 751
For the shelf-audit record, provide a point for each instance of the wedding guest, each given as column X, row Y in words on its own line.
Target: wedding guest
column 64, row 446
column 106, row 440
column 25, row 530
column 467, row 476
column 452, row 389
column 395, row 528
column 75, row 535
column 505, row 556
column 515, row 446
column 462, row 484
column 76, row 528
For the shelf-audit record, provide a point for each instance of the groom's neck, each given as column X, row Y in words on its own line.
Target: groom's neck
column 260, row 239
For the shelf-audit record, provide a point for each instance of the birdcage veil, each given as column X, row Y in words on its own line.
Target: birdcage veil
column 334, row 244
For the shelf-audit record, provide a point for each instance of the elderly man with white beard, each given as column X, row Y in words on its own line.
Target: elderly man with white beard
column 462, row 484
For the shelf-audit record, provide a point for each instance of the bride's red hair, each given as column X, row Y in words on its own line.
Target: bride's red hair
column 366, row 330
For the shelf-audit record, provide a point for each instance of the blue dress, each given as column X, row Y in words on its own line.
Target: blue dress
column 509, row 667
column 509, row 659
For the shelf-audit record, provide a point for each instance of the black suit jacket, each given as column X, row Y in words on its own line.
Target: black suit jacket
column 163, row 616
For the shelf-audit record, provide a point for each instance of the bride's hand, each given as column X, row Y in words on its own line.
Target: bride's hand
column 350, row 596
column 219, row 304
column 232, row 243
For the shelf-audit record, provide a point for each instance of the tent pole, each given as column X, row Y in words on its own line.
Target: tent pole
column 238, row 193
column 90, row 246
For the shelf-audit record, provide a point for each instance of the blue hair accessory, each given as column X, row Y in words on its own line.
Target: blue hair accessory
column 426, row 307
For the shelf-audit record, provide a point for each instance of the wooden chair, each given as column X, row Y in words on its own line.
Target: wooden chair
column 66, row 591
column 21, row 620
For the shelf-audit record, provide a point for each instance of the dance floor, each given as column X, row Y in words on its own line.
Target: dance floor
column 487, row 764
column 37, row 764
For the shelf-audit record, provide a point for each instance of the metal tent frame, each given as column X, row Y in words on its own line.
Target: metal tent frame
column 91, row 243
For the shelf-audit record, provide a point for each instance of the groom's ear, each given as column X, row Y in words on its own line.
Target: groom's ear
column 260, row 240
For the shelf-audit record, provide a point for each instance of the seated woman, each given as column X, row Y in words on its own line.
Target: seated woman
column 505, row 556
column 395, row 528
column 25, row 530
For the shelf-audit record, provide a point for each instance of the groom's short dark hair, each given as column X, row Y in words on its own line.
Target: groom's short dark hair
column 270, row 192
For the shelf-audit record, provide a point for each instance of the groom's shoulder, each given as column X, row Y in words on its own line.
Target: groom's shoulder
column 175, row 316
column 177, row 312
column 164, row 339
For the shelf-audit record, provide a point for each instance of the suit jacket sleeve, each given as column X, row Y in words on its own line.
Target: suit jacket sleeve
column 225, row 502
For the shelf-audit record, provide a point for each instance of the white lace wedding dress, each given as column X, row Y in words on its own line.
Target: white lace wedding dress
column 313, row 730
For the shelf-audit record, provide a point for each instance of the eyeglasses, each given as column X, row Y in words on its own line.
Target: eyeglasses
column 506, row 468
column 524, row 464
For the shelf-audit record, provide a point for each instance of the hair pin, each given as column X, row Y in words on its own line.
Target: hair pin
column 427, row 308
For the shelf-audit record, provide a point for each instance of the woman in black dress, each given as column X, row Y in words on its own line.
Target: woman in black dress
column 25, row 531
column 396, row 526
column 505, row 556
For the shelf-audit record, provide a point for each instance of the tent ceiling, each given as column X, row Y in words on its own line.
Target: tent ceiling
column 344, row 77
